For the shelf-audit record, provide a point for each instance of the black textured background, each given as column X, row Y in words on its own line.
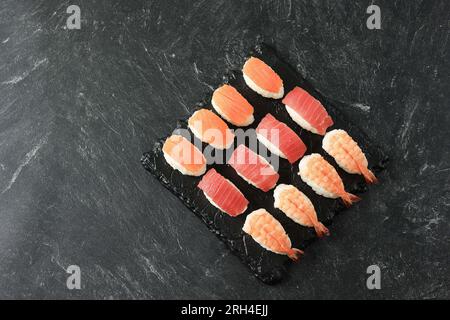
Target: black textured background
column 77, row 108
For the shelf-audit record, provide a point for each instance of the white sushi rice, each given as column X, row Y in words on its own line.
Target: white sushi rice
column 178, row 166
column 219, row 110
column 261, row 91
column 302, row 166
column 217, row 206
column 269, row 145
column 300, row 120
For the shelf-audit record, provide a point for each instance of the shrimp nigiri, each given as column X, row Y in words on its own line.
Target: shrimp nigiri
column 297, row 206
column 323, row 178
column 269, row 233
column 348, row 155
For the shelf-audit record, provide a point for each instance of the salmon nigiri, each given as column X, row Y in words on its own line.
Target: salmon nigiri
column 280, row 139
column 262, row 79
column 222, row 193
column 323, row 178
column 348, row 155
column 297, row 206
column 253, row 168
column 232, row 106
column 183, row 156
column 307, row 111
column 210, row 128
column 269, row 233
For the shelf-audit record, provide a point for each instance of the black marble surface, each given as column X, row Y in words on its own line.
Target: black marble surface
column 79, row 107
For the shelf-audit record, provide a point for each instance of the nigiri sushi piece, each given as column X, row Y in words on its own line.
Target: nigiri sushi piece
column 232, row 106
column 262, row 79
column 210, row 128
column 321, row 176
column 253, row 168
column 307, row 111
column 183, row 156
column 348, row 155
column 297, row 206
column 269, row 233
column 280, row 139
column 222, row 193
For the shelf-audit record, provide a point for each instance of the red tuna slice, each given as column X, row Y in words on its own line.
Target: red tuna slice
column 253, row 168
column 280, row 139
column 223, row 194
column 307, row 111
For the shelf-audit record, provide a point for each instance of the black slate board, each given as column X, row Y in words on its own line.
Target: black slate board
column 267, row 266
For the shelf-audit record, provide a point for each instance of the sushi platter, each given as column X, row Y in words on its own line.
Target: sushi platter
column 267, row 162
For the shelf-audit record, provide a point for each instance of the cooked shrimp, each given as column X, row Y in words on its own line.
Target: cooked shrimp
column 269, row 233
column 348, row 155
column 323, row 178
column 297, row 206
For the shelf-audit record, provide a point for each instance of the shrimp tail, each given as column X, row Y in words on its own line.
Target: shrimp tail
column 294, row 253
column 349, row 198
column 368, row 175
column 321, row 230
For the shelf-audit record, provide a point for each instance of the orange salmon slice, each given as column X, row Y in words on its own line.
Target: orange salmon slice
column 211, row 129
column 232, row 106
column 262, row 75
column 184, row 156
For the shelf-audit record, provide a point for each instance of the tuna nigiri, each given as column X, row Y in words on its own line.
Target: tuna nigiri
column 222, row 193
column 280, row 139
column 297, row 206
column 306, row 111
column 210, row 128
column 323, row 178
column 232, row 106
column 253, row 168
column 269, row 233
column 348, row 155
column 183, row 156
column 262, row 79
